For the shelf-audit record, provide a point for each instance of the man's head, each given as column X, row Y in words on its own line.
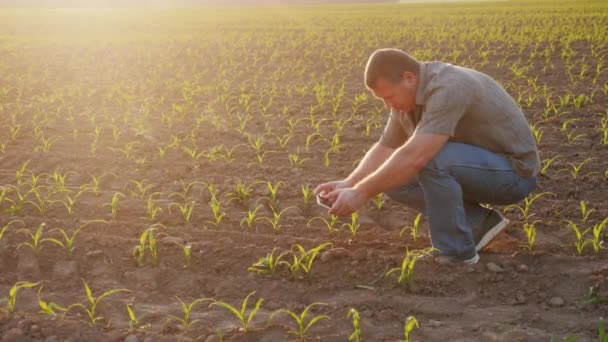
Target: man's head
column 392, row 75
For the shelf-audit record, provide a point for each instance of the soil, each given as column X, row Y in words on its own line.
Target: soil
column 512, row 294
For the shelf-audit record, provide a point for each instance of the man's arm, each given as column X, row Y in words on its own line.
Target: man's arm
column 403, row 164
column 372, row 160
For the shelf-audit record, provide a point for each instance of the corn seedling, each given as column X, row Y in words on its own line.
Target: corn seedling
column 584, row 211
column 250, row 218
column 68, row 244
column 268, row 264
column 127, row 151
column 187, row 249
column 42, row 204
column 573, row 137
column 271, row 198
column 546, row 163
column 410, row 323
column 537, row 131
column 46, row 144
column 215, row 206
column 300, row 320
column 48, row 308
column 242, row 192
column 598, row 232
column 185, row 321
column 406, row 270
column 528, row 201
column 276, row 217
column 379, row 201
column 140, row 189
column 18, row 204
column 354, row 225
column 308, row 194
column 303, row 259
column 332, row 224
column 530, row 230
column 6, row 226
column 36, row 239
column 186, row 209
column 580, row 242
column 133, row 322
column 92, row 302
column 575, row 169
column 12, row 295
column 245, row 320
column 413, row 228
column 94, row 184
column 114, row 203
column 147, row 239
column 356, row 334
column 296, row 160
column 152, row 207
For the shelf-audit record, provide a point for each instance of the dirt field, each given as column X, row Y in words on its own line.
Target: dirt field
column 159, row 98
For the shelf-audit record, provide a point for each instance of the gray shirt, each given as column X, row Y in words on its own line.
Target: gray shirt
column 471, row 108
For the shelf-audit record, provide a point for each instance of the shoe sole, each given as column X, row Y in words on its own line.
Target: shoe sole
column 492, row 233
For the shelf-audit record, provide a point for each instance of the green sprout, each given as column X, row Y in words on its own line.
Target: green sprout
column 332, row 224
column 274, row 221
column 530, row 230
column 300, row 320
column 303, row 259
column 406, row 270
column 185, row 321
column 356, row 334
column 68, row 244
column 410, row 323
column 93, row 302
column 354, row 225
column 413, row 228
column 245, row 320
column 12, row 295
column 268, row 264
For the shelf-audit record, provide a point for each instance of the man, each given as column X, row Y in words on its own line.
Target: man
column 455, row 138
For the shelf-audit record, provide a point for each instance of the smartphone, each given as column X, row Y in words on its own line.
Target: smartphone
column 324, row 202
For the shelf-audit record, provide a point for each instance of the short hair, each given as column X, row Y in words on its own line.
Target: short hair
column 389, row 64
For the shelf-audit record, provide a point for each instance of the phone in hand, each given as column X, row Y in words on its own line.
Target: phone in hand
column 324, row 202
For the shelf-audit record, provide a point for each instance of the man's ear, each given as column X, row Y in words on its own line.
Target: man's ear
column 409, row 78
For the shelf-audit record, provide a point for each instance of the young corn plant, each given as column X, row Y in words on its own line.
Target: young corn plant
column 308, row 194
column 296, row 160
column 185, row 320
column 12, row 295
column 48, row 308
column 301, row 326
column 6, row 226
column 268, row 264
column 354, row 225
column 68, row 241
column 303, row 259
column 546, row 163
column 251, row 217
column 528, row 201
column 242, row 192
column 140, row 189
column 92, row 303
column 410, row 323
column 575, row 169
column 271, row 198
column 406, row 270
column 598, row 235
column 187, row 249
column 331, row 224
column 215, row 206
column 147, row 239
column 413, row 229
column 186, row 209
column 379, row 201
column 275, row 220
column 356, row 334
column 530, row 230
column 245, row 320
column 585, row 212
column 152, row 207
column 114, row 203
column 580, row 242
column 133, row 322
column 36, row 239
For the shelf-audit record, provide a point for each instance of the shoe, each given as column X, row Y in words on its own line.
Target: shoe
column 448, row 259
column 488, row 229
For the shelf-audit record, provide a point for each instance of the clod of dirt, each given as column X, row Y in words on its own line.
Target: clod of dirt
column 131, row 338
column 336, row 253
column 28, row 263
column 520, row 297
column 14, row 334
column 492, row 267
column 64, row 270
column 556, row 301
column 522, row 268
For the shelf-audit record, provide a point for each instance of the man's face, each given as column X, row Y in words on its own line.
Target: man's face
column 401, row 95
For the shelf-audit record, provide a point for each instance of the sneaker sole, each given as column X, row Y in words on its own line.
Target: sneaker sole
column 492, row 233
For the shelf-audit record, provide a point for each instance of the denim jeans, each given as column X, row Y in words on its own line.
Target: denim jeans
column 451, row 186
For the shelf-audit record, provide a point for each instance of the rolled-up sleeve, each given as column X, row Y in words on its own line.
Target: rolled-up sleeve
column 393, row 135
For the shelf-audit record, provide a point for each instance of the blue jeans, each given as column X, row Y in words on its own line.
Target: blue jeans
column 451, row 186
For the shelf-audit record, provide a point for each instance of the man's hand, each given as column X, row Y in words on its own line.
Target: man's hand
column 346, row 201
column 328, row 187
